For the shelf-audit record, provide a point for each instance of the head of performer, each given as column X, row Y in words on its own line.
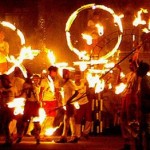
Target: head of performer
column 66, row 74
column 53, row 70
column 77, row 76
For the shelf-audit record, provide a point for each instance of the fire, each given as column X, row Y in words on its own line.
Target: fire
column 120, row 88
column 51, row 57
column 100, row 29
column 91, row 80
column 18, row 105
column 138, row 20
column 88, row 38
column 12, row 27
column 110, row 65
column 147, row 30
column 82, row 55
column 76, row 105
column 148, row 73
column 26, row 53
column 42, row 116
column 99, row 86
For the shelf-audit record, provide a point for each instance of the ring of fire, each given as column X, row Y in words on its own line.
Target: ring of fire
column 82, row 54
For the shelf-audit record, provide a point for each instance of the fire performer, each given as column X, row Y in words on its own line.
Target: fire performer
column 85, row 110
column 31, row 109
column 4, row 51
column 7, row 94
column 48, row 94
column 130, row 106
column 69, row 119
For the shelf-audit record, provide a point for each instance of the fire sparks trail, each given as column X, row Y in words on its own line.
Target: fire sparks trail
column 138, row 20
column 26, row 53
column 81, row 53
column 18, row 105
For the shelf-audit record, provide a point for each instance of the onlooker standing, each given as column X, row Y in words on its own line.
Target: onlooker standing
column 145, row 108
column 85, row 110
column 130, row 106
column 69, row 93
column 7, row 94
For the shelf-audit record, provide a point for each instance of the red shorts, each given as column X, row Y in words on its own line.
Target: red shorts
column 50, row 107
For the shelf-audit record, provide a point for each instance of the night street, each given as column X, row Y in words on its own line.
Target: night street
column 94, row 143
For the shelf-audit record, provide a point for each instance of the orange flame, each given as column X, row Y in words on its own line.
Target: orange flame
column 138, row 20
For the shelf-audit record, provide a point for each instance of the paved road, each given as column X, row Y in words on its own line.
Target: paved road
column 93, row 143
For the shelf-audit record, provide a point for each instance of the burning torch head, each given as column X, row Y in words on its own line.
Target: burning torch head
column 53, row 71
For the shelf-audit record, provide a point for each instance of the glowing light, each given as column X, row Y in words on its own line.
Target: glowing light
column 138, row 20
column 51, row 57
column 20, row 34
column 12, row 27
column 88, row 38
column 117, row 20
column 76, row 105
column 100, row 84
column 100, row 29
column 109, row 65
column 9, row 25
column 42, row 116
column 26, row 53
column 148, row 73
column 120, row 88
column 18, row 105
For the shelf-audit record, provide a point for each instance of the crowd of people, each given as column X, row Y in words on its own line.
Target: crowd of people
column 57, row 96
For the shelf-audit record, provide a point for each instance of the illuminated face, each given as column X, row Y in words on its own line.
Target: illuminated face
column 53, row 74
column 77, row 78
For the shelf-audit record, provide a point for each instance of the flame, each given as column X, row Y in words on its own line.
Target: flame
column 82, row 66
column 120, row 88
column 99, row 86
column 26, row 53
column 122, row 75
column 148, row 73
column 51, row 57
column 117, row 20
column 76, row 105
column 92, row 80
column 109, row 86
column 147, row 30
column 138, row 20
column 9, row 25
column 12, row 27
column 109, row 65
column 42, row 116
column 18, row 105
column 100, row 29
column 88, row 38
column 20, row 34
